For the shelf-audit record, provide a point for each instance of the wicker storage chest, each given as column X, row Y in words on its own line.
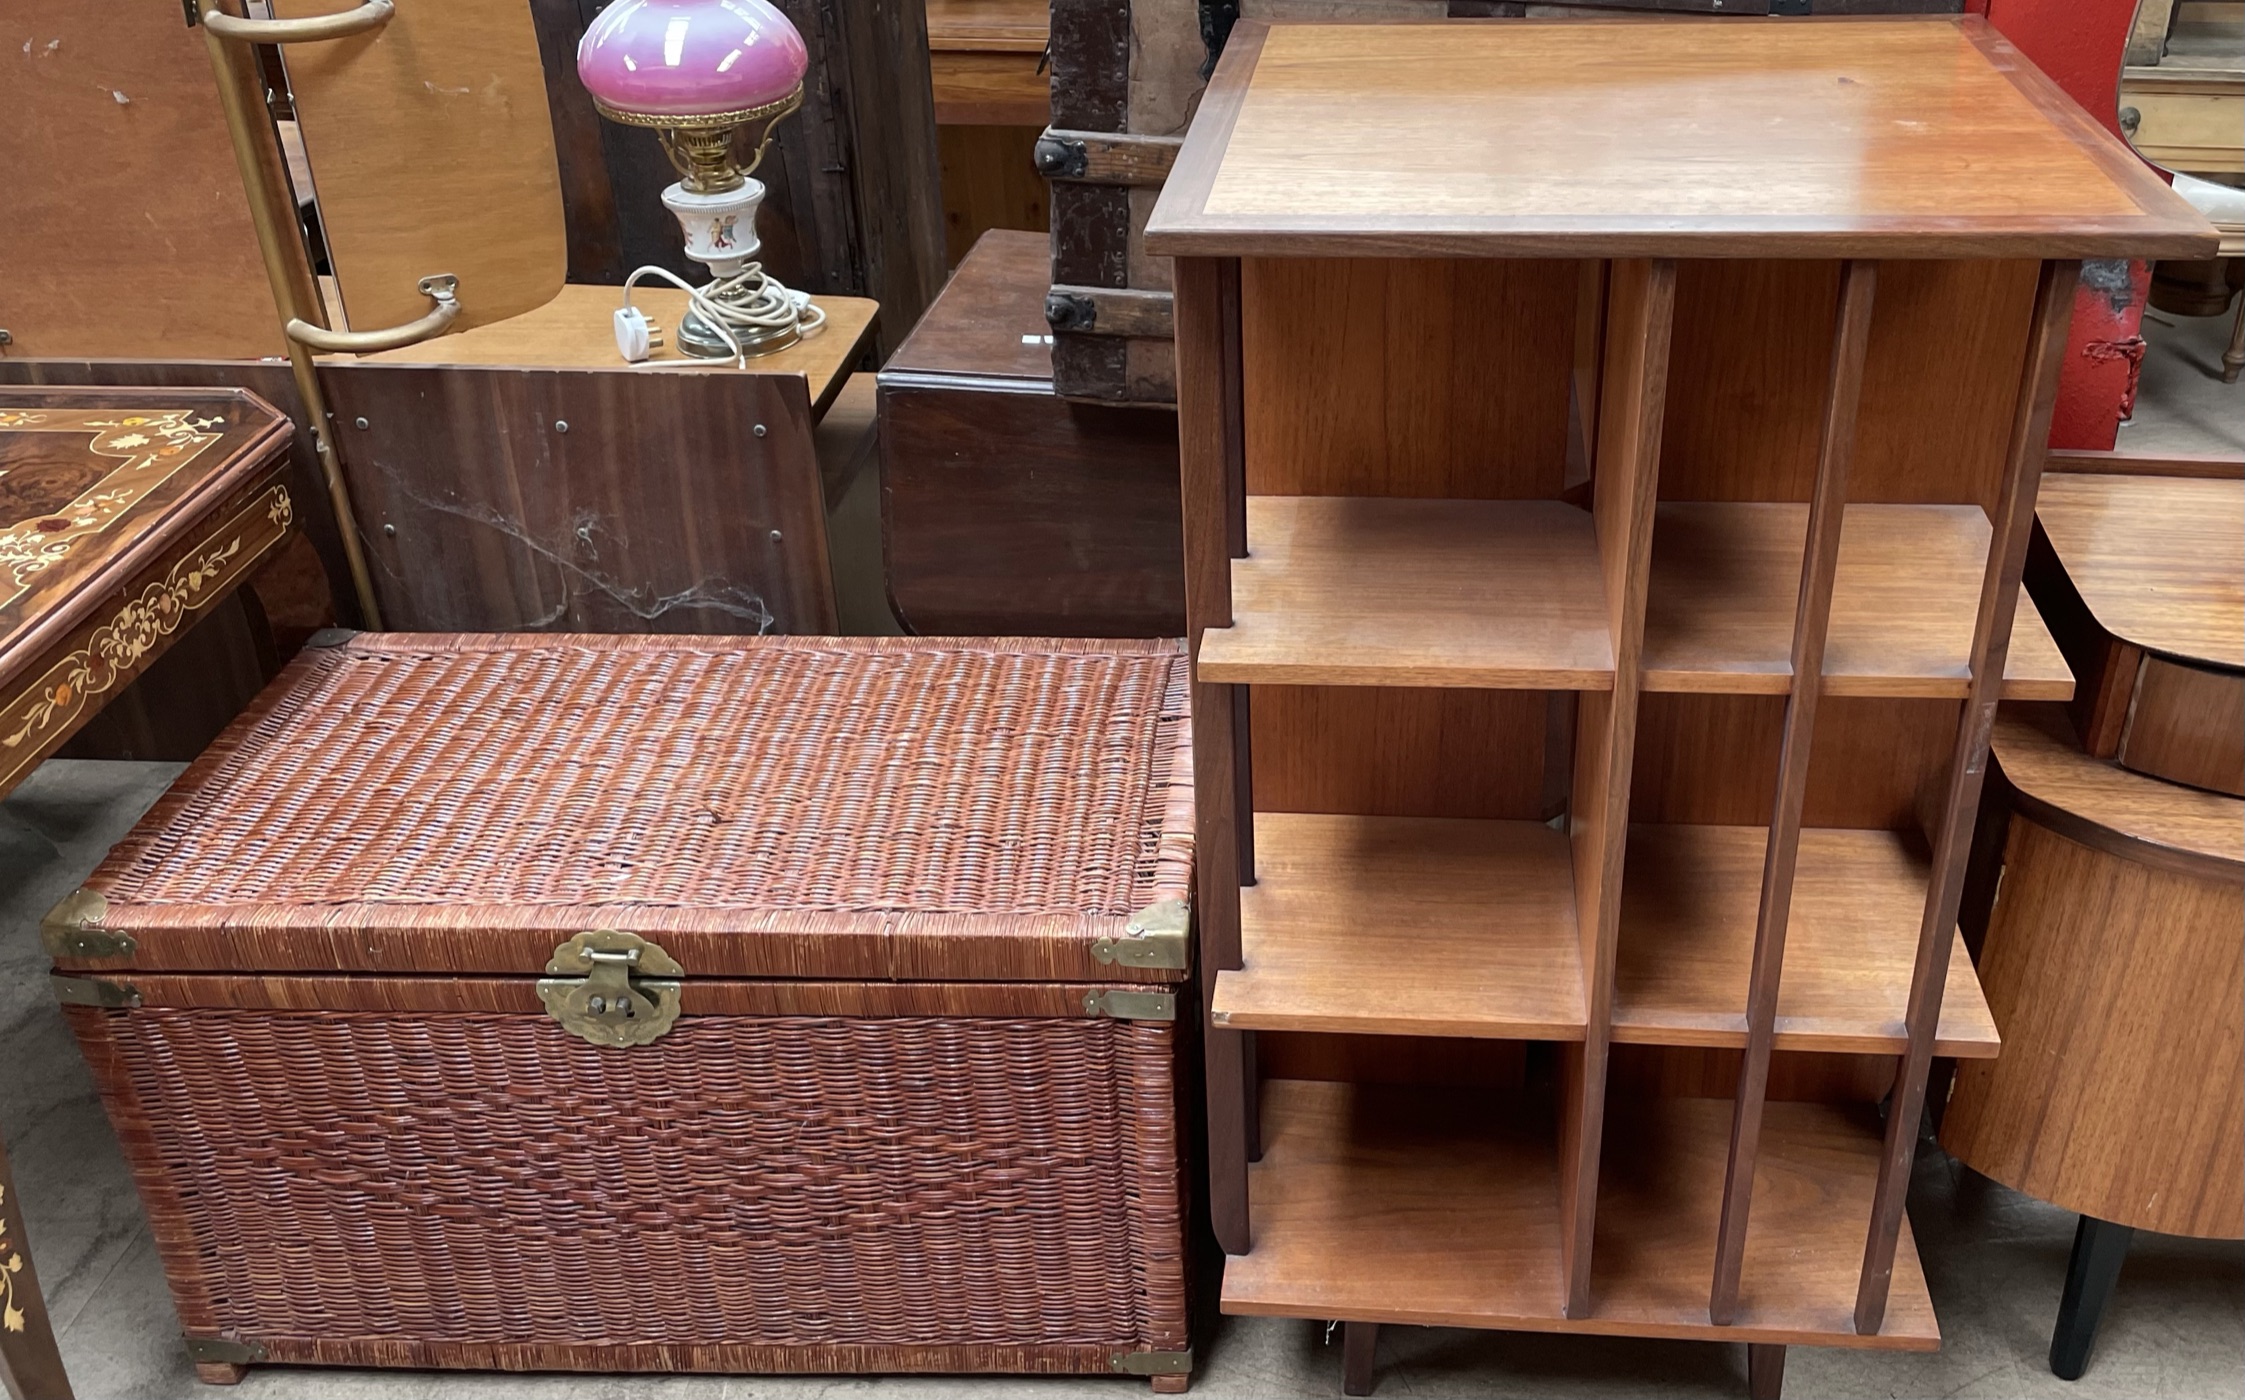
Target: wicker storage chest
column 636, row 1003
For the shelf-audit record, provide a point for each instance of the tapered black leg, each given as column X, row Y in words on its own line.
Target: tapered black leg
column 2099, row 1248
column 1765, row 1371
column 1357, row 1341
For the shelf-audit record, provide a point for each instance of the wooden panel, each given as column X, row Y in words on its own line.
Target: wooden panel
column 658, row 510
column 1687, row 938
column 2155, row 558
column 1720, row 615
column 990, row 320
column 1008, row 26
column 2104, row 805
column 1394, row 1059
column 1704, row 1072
column 1712, row 760
column 1384, row 751
column 1406, row 926
column 990, row 181
column 1895, row 158
column 113, row 124
column 1340, row 590
column 1948, row 344
column 2121, row 1089
column 1753, row 337
column 1441, row 1209
column 1408, row 378
column 989, row 89
column 2188, row 726
column 1008, row 510
column 576, row 330
column 432, row 151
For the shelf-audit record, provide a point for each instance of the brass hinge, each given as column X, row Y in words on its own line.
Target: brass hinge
column 72, row 929
column 225, row 1351
column 1155, row 937
column 1151, row 1363
column 596, row 995
column 93, row 991
column 1130, row 1004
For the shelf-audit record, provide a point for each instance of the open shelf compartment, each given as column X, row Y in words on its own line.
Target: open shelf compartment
column 1726, row 578
column 1689, row 899
column 1407, row 926
column 1360, row 590
column 1377, row 1203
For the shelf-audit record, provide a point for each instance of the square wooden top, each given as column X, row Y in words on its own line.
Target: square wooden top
column 1695, row 138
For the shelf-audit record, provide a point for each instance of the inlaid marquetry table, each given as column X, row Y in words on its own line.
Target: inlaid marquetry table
column 125, row 516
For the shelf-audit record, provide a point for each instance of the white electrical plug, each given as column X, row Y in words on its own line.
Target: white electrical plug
column 636, row 336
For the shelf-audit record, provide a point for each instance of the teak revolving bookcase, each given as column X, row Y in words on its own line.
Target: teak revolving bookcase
column 1609, row 452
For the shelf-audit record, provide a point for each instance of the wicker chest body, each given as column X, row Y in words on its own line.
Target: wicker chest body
column 672, row 1004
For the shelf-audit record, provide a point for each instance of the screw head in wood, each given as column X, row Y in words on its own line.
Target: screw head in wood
column 361, row 422
column 758, row 430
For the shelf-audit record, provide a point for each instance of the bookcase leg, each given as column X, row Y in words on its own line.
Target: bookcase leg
column 1172, row 1385
column 2099, row 1248
column 220, row 1372
column 1765, row 1371
column 1357, row 1341
column 1251, row 1093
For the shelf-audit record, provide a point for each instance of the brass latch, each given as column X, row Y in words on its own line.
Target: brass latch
column 612, row 988
column 1156, row 936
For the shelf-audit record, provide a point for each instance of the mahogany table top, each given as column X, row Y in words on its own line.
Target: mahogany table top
column 1920, row 138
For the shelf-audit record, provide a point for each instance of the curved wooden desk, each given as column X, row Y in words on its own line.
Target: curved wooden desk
column 2111, row 959
column 2138, row 577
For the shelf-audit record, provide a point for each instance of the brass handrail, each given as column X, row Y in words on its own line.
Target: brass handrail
column 373, row 14
column 440, row 288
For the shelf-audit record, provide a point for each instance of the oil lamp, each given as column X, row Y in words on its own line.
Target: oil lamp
column 706, row 74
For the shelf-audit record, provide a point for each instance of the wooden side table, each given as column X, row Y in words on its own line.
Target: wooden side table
column 2111, row 958
column 125, row 516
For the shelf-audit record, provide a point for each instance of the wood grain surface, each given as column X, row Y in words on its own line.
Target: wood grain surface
column 114, row 124
column 1474, row 144
column 2155, row 558
column 1401, row 752
column 2120, row 987
column 2187, row 725
column 658, row 508
column 1406, row 926
column 1687, row 939
column 432, row 151
column 1407, row 377
column 576, row 330
column 1725, row 574
column 1437, row 1208
column 1339, row 590
column 2104, row 805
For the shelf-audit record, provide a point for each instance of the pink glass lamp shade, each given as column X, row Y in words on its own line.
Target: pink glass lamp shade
column 690, row 63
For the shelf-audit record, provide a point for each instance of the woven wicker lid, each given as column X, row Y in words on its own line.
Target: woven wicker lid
column 883, row 808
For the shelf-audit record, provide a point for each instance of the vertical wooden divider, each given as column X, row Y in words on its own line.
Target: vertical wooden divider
column 1640, row 302
column 1968, row 766
column 1211, row 458
column 1820, row 559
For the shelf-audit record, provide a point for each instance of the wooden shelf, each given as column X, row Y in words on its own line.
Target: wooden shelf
column 1407, row 926
column 1726, row 576
column 1386, row 1204
column 1689, row 898
column 1502, row 595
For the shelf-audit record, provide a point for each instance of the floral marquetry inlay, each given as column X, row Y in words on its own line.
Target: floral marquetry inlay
column 155, row 445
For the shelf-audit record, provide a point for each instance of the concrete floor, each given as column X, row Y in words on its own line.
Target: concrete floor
column 1995, row 1260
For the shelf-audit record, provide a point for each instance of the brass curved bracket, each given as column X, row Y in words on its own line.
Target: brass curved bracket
column 443, row 289
column 373, row 14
